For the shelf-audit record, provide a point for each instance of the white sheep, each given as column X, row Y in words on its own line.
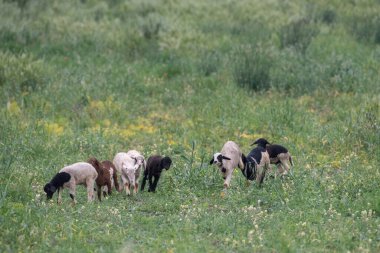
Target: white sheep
column 227, row 160
column 129, row 166
column 71, row 176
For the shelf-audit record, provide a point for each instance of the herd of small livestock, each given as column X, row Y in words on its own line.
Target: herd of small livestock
column 128, row 166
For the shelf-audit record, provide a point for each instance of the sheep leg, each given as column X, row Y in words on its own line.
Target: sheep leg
column 72, row 193
column 265, row 169
column 143, row 182
column 261, row 174
column 116, row 182
column 99, row 191
column 150, row 183
column 59, row 200
column 228, row 179
column 127, row 188
column 90, row 189
column 280, row 169
column 286, row 167
column 136, row 189
column 126, row 184
column 156, row 178
column 109, row 187
column 120, row 188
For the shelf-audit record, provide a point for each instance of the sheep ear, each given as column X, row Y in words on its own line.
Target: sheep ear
column 225, row 157
column 212, row 161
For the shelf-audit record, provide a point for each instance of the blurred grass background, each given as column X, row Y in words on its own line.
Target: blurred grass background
column 92, row 78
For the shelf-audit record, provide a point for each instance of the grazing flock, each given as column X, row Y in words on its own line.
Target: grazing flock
column 128, row 166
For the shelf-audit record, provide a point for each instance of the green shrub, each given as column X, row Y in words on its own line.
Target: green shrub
column 366, row 28
column 19, row 73
column 366, row 128
column 251, row 67
column 341, row 73
column 298, row 34
column 20, row 3
column 209, row 62
column 328, row 16
column 151, row 25
column 295, row 72
column 16, row 41
column 304, row 74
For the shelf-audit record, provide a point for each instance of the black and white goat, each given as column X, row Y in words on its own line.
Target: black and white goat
column 227, row 160
column 71, row 176
column 278, row 155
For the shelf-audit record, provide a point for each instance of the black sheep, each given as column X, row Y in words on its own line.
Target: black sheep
column 154, row 167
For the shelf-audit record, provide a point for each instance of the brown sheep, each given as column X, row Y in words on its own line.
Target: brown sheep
column 110, row 167
column 104, row 177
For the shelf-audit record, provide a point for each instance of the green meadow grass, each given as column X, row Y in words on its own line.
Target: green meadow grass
column 180, row 78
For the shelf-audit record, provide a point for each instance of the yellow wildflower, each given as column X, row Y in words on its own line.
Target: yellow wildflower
column 13, row 108
column 53, row 128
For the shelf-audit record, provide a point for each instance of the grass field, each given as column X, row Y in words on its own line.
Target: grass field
column 180, row 78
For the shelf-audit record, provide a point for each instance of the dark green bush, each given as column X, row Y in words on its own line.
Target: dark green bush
column 298, row 34
column 150, row 26
column 20, row 3
column 366, row 28
column 328, row 16
column 365, row 128
column 19, row 73
column 209, row 62
column 304, row 74
column 251, row 68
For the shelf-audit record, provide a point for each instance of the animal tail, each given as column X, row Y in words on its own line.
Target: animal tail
column 290, row 160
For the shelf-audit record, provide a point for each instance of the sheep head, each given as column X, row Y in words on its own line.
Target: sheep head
column 166, row 162
column 49, row 189
column 218, row 159
column 261, row 142
column 139, row 161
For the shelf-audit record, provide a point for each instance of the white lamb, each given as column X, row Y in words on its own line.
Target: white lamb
column 227, row 160
column 129, row 166
column 71, row 176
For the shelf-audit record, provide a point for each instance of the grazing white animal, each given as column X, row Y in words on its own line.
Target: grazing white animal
column 71, row 176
